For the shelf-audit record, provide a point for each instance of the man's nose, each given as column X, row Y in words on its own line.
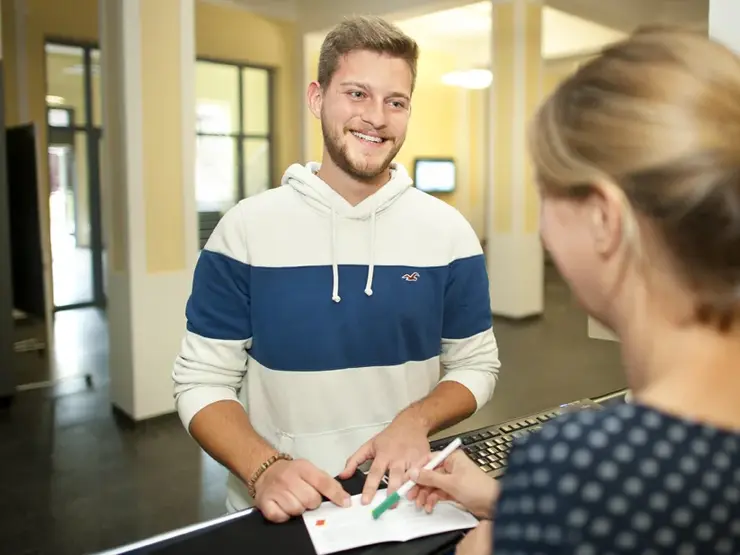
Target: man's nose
column 374, row 114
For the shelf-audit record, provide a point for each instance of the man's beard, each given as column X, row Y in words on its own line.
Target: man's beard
column 338, row 155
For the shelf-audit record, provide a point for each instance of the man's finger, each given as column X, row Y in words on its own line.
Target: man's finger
column 326, row 486
column 363, row 454
column 272, row 512
column 306, row 494
column 396, row 474
column 289, row 503
column 372, row 481
column 414, row 493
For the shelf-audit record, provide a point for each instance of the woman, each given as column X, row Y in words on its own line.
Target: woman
column 637, row 158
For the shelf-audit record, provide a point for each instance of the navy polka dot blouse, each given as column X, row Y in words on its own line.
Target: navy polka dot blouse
column 627, row 479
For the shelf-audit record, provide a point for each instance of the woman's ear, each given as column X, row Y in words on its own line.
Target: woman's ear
column 606, row 208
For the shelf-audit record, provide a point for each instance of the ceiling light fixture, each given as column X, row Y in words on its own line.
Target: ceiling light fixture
column 54, row 100
column 469, row 78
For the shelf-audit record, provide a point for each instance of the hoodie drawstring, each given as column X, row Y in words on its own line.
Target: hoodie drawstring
column 371, row 267
column 335, row 266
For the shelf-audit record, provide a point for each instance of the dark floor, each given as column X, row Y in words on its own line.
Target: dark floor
column 75, row 480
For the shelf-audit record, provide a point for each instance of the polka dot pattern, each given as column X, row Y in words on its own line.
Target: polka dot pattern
column 628, row 479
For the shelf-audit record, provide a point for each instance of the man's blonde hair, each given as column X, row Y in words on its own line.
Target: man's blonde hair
column 365, row 33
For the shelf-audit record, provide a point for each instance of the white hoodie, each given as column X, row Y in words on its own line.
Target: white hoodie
column 326, row 319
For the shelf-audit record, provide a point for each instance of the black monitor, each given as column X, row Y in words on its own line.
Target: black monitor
column 435, row 175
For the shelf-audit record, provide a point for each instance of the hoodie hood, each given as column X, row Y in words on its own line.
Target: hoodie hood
column 322, row 197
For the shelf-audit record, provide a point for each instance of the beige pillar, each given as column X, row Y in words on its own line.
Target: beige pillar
column 513, row 249
column 148, row 61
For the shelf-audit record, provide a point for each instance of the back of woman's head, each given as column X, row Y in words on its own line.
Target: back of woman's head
column 658, row 115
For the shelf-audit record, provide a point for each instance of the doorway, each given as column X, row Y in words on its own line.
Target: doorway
column 74, row 131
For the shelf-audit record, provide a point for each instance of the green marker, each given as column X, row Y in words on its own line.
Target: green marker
column 404, row 489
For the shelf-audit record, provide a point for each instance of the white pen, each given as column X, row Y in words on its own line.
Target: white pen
column 438, row 459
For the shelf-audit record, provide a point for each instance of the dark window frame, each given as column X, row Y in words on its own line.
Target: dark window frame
column 241, row 135
column 93, row 134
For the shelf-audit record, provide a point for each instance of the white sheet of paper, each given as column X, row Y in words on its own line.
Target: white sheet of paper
column 333, row 528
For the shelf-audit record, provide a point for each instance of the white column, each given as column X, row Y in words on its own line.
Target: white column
column 724, row 22
column 150, row 219
column 513, row 249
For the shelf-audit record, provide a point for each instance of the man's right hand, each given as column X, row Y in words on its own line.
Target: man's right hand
column 288, row 488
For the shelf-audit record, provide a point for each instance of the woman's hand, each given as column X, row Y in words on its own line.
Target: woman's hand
column 478, row 541
column 458, row 479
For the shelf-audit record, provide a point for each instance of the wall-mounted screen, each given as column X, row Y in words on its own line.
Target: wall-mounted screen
column 435, row 175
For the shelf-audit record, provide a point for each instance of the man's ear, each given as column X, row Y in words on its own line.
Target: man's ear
column 315, row 97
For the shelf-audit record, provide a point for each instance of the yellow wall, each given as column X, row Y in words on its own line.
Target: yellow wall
column 161, row 102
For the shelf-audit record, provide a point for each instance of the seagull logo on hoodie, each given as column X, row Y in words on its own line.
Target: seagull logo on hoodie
column 411, row 277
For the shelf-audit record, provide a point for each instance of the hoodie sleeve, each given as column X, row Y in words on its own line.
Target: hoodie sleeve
column 469, row 351
column 212, row 361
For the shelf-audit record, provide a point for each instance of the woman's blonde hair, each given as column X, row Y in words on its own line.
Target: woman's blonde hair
column 658, row 115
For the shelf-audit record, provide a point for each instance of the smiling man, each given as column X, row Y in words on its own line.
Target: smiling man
column 344, row 316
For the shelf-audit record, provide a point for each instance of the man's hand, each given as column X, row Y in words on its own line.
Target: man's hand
column 288, row 488
column 396, row 449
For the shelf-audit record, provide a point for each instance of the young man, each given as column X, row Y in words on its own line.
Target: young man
column 328, row 306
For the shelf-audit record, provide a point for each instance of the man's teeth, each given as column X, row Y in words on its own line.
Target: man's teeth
column 367, row 137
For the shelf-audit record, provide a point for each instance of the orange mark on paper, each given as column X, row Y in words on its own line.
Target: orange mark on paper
column 320, row 522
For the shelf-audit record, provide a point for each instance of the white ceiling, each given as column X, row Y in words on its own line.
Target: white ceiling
column 466, row 32
column 625, row 15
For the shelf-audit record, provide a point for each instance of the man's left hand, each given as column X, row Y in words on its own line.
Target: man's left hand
column 402, row 445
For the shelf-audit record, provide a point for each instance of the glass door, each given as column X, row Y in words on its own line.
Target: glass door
column 73, row 123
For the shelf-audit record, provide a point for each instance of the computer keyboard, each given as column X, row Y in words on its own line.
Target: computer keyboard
column 489, row 447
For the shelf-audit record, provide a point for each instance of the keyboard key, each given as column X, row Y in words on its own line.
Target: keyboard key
column 500, row 440
column 531, row 421
column 482, row 462
column 486, row 435
column 491, row 450
column 490, row 443
column 476, row 438
column 492, row 458
column 514, row 426
column 496, row 466
column 467, row 440
column 506, row 429
column 485, row 468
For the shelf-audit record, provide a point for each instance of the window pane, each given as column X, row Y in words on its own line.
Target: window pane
column 256, row 101
column 256, row 166
column 69, row 210
column 65, row 80
column 215, row 173
column 217, row 98
column 97, row 99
